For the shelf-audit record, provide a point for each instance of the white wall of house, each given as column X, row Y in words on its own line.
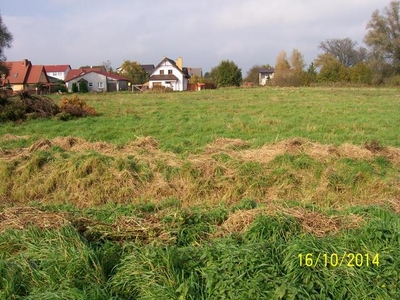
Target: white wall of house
column 59, row 75
column 96, row 82
column 169, row 69
column 263, row 78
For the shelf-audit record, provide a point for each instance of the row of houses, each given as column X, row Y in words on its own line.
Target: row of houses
column 23, row 75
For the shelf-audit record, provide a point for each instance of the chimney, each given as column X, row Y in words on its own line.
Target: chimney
column 179, row 63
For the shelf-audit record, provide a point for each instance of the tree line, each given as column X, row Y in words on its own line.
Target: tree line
column 342, row 60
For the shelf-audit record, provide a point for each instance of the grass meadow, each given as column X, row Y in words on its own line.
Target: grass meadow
column 257, row 193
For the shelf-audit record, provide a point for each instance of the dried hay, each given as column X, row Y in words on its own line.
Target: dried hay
column 22, row 217
column 320, row 224
column 355, row 152
column 124, row 228
column 13, row 137
column 225, row 144
column 239, row 221
column 146, row 142
column 40, row 145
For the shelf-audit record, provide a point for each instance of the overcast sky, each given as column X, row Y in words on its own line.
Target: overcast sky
column 203, row 32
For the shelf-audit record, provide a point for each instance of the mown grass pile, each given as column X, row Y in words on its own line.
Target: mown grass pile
column 243, row 194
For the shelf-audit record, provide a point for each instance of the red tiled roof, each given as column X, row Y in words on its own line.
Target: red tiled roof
column 18, row 71
column 56, row 68
column 37, row 74
column 23, row 72
column 113, row 76
column 72, row 74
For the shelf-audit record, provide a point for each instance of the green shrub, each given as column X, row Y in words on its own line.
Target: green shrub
column 75, row 88
column 83, row 88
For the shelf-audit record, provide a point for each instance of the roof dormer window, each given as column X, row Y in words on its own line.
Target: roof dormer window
column 15, row 75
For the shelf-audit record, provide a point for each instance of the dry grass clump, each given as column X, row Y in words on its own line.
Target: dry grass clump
column 320, row 224
column 23, row 217
column 225, row 144
column 76, row 107
column 130, row 228
column 13, row 137
column 95, row 173
column 312, row 222
column 239, row 221
column 146, row 142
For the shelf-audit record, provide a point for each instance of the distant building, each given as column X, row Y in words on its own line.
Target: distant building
column 57, row 71
column 96, row 81
column 265, row 75
column 195, row 72
column 24, row 76
column 171, row 74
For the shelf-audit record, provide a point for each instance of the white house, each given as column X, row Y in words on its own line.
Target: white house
column 58, row 71
column 170, row 74
column 97, row 81
column 265, row 75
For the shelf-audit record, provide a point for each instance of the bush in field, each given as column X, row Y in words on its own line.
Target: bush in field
column 76, row 107
column 227, row 73
column 26, row 106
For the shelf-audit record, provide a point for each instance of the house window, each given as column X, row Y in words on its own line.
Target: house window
column 169, row 72
column 55, row 74
column 90, row 84
column 161, row 72
column 100, row 85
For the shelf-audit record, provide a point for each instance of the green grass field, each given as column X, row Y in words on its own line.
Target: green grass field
column 264, row 193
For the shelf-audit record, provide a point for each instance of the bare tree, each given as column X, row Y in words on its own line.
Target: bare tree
column 383, row 36
column 345, row 50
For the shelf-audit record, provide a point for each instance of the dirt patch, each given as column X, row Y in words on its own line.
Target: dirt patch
column 24, row 217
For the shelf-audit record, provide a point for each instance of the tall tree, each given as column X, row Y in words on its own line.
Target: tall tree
column 282, row 69
column 133, row 71
column 345, row 50
column 5, row 42
column 289, row 74
column 383, row 36
column 331, row 69
column 227, row 73
column 296, row 67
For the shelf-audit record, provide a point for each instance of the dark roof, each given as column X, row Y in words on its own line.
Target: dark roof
column 267, row 70
column 148, row 68
column 164, row 77
column 93, row 68
column 195, row 71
